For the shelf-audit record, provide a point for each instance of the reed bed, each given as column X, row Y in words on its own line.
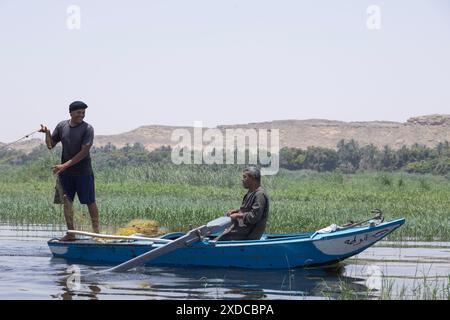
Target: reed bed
column 182, row 196
column 425, row 288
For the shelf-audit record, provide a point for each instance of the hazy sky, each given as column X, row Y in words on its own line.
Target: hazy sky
column 221, row 62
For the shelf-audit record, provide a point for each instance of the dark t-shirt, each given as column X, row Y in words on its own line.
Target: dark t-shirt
column 72, row 138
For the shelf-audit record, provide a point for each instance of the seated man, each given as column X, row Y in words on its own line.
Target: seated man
column 249, row 222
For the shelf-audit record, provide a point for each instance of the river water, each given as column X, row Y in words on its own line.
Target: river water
column 392, row 270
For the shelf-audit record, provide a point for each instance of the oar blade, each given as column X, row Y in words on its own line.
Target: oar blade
column 216, row 225
column 219, row 224
column 150, row 255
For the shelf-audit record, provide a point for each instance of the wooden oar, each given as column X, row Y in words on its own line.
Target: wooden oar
column 192, row 236
column 109, row 236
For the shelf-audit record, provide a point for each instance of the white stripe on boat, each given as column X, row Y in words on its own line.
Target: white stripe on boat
column 347, row 245
column 59, row 249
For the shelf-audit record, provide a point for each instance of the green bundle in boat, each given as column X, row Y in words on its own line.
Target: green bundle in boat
column 148, row 228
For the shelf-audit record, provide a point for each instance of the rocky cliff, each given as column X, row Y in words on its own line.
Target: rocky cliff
column 427, row 130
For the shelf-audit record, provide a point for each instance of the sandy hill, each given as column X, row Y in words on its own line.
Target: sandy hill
column 427, row 130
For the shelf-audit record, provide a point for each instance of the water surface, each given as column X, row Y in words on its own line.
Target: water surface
column 409, row 270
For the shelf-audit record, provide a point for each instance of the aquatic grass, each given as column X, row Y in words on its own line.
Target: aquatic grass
column 425, row 289
column 179, row 196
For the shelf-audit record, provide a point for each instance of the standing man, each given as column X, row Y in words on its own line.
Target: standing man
column 249, row 222
column 75, row 171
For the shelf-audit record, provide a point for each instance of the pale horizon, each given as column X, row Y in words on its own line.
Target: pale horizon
column 225, row 62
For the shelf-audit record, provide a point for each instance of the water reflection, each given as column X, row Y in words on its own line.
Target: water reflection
column 207, row 283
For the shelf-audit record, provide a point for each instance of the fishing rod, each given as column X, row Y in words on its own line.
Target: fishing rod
column 18, row 140
column 58, row 186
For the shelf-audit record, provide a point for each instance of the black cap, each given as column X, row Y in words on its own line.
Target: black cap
column 77, row 105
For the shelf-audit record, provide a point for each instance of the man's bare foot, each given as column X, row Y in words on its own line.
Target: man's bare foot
column 68, row 237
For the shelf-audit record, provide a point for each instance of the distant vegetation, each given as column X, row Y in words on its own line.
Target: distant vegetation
column 349, row 157
column 323, row 186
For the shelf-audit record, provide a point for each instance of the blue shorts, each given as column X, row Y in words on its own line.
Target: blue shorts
column 81, row 185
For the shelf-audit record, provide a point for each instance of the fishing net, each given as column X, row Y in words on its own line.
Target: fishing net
column 59, row 192
column 150, row 228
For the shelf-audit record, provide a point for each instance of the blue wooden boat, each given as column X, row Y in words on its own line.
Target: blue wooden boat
column 272, row 251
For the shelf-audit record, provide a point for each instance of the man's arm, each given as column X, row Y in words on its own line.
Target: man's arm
column 48, row 137
column 78, row 157
column 231, row 211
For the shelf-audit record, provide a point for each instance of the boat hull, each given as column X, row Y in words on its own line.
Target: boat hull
column 271, row 252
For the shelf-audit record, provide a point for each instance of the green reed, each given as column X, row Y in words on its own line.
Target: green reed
column 190, row 195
